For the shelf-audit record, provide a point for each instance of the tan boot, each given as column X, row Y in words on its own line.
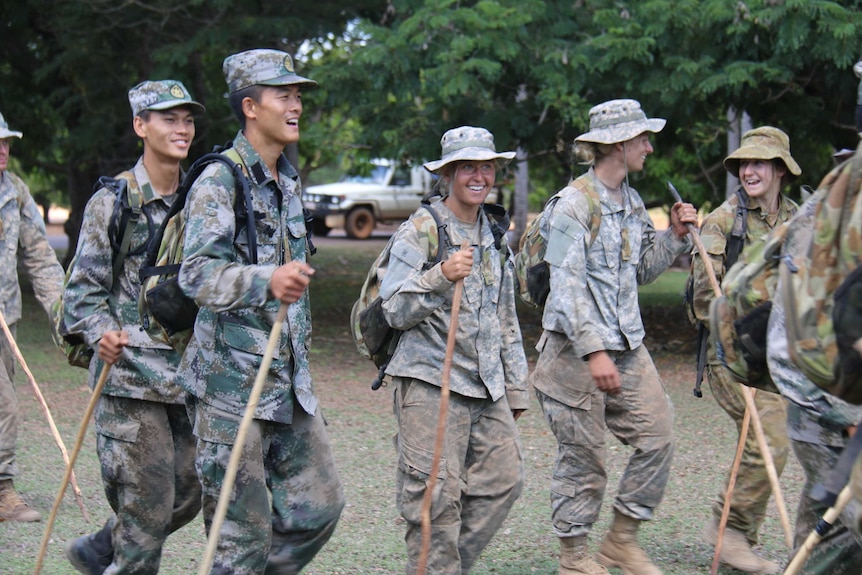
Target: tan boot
column 620, row 548
column 12, row 508
column 575, row 559
column 736, row 552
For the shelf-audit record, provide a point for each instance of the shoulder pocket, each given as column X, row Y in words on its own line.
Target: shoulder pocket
column 564, row 231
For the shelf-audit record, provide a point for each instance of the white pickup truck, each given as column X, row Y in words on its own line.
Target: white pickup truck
column 390, row 192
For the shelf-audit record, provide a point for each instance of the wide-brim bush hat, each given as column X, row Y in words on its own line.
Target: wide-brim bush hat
column 5, row 132
column 763, row 143
column 468, row 143
column 262, row 67
column 617, row 121
column 161, row 95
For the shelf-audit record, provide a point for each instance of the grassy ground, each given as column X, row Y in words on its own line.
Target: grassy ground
column 369, row 538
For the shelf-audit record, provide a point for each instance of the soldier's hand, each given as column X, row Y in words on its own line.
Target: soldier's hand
column 458, row 265
column 111, row 345
column 680, row 215
column 604, row 372
column 289, row 282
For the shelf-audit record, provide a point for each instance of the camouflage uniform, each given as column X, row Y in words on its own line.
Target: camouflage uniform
column 593, row 306
column 144, row 437
column 22, row 239
column 752, row 489
column 482, row 470
column 817, row 424
column 287, row 451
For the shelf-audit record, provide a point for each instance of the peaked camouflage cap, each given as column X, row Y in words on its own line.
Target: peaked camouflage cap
column 5, row 132
column 263, row 68
column 161, row 95
column 619, row 121
column 763, row 143
column 467, row 143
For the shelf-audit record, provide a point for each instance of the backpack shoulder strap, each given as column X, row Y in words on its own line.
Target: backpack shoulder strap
column 128, row 207
column 739, row 230
column 595, row 204
column 443, row 242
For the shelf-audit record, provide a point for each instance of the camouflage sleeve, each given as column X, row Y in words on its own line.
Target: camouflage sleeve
column 86, row 297
column 212, row 272
column 512, row 345
column 658, row 249
column 410, row 292
column 36, row 255
column 714, row 232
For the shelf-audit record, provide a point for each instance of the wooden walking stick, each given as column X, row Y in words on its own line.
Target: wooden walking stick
column 54, row 431
column 823, row 526
column 751, row 413
column 236, row 451
column 79, row 441
column 441, row 425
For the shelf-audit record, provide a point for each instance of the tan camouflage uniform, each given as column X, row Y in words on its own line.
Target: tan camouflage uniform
column 144, row 438
column 593, row 306
column 817, row 424
column 482, row 470
column 752, row 489
column 287, row 454
column 24, row 240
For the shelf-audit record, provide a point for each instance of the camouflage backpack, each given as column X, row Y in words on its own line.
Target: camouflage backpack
column 128, row 209
column 822, row 288
column 531, row 270
column 374, row 338
column 738, row 319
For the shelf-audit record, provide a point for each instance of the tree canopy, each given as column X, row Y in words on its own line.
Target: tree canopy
column 395, row 74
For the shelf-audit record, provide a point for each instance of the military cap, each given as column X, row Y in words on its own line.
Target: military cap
column 617, row 121
column 262, row 67
column 763, row 143
column 468, row 143
column 161, row 95
column 5, row 132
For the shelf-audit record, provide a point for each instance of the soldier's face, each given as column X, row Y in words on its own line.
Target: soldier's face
column 168, row 133
column 636, row 151
column 5, row 144
column 760, row 178
column 277, row 113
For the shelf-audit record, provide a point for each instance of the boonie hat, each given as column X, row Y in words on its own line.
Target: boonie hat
column 468, row 143
column 161, row 95
column 618, row 121
column 262, row 67
column 763, row 143
column 5, row 132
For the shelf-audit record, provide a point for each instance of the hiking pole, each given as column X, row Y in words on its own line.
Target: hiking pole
column 44, row 404
column 695, row 237
column 236, row 451
column 441, row 425
column 820, row 530
column 79, row 441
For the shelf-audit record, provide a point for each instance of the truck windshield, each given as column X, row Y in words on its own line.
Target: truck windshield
column 376, row 175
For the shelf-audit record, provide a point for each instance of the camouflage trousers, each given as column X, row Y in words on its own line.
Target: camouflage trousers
column 752, row 489
column 840, row 551
column 481, row 473
column 640, row 416
column 146, row 451
column 8, row 410
column 287, row 497
column 856, row 492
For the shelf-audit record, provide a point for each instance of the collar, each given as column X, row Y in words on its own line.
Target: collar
column 257, row 170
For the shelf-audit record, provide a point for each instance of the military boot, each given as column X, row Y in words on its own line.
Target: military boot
column 620, row 548
column 12, row 507
column 575, row 559
column 93, row 553
column 736, row 552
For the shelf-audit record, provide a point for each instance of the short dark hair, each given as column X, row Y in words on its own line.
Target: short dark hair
column 144, row 115
column 236, row 98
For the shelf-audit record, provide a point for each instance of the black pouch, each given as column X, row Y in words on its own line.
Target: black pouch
column 170, row 307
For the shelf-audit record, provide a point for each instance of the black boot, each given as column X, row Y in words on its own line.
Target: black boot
column 92, row 554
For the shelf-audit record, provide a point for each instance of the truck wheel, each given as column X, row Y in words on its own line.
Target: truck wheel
column 319, row 228
column 359, row 223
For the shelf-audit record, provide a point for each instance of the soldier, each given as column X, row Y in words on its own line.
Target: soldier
column 763, row 164
column 483, row 472
column 144, row 438
column 819, row 426
column 593, row 369
column 288, row 496
column 24, row 240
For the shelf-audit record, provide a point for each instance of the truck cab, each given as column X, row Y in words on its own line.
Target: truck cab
column 387, row 192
